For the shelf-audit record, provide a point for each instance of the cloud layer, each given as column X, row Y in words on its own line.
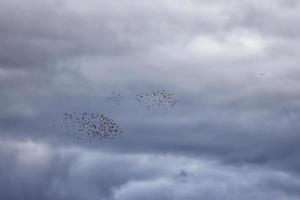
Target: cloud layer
column 233, row 65
column 40, row 171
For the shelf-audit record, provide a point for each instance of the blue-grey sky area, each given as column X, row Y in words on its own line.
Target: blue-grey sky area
column 233, row 65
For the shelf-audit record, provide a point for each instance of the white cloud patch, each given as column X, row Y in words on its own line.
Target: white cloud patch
column 233, row 46
column 27, row 152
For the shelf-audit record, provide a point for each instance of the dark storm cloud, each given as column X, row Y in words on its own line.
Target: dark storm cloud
column 233, row 66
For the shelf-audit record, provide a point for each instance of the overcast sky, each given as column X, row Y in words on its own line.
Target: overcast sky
column 234, row 66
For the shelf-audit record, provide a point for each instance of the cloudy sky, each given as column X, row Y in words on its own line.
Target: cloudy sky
column 234, row 66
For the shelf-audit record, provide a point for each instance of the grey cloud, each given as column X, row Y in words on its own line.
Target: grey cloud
column 233, row 65
column 273, row 20
column 227, row 132
column 36, row 35
column 72, row 173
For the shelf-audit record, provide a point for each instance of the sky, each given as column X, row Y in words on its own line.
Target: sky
column 233, row 65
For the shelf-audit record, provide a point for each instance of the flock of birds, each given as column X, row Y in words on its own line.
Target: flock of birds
column 92, row 126
column 157, row 98
column 95, row 125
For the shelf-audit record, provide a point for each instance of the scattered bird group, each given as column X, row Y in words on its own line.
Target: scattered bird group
column 115, row 98
column 91, row 126
column 157, row 98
